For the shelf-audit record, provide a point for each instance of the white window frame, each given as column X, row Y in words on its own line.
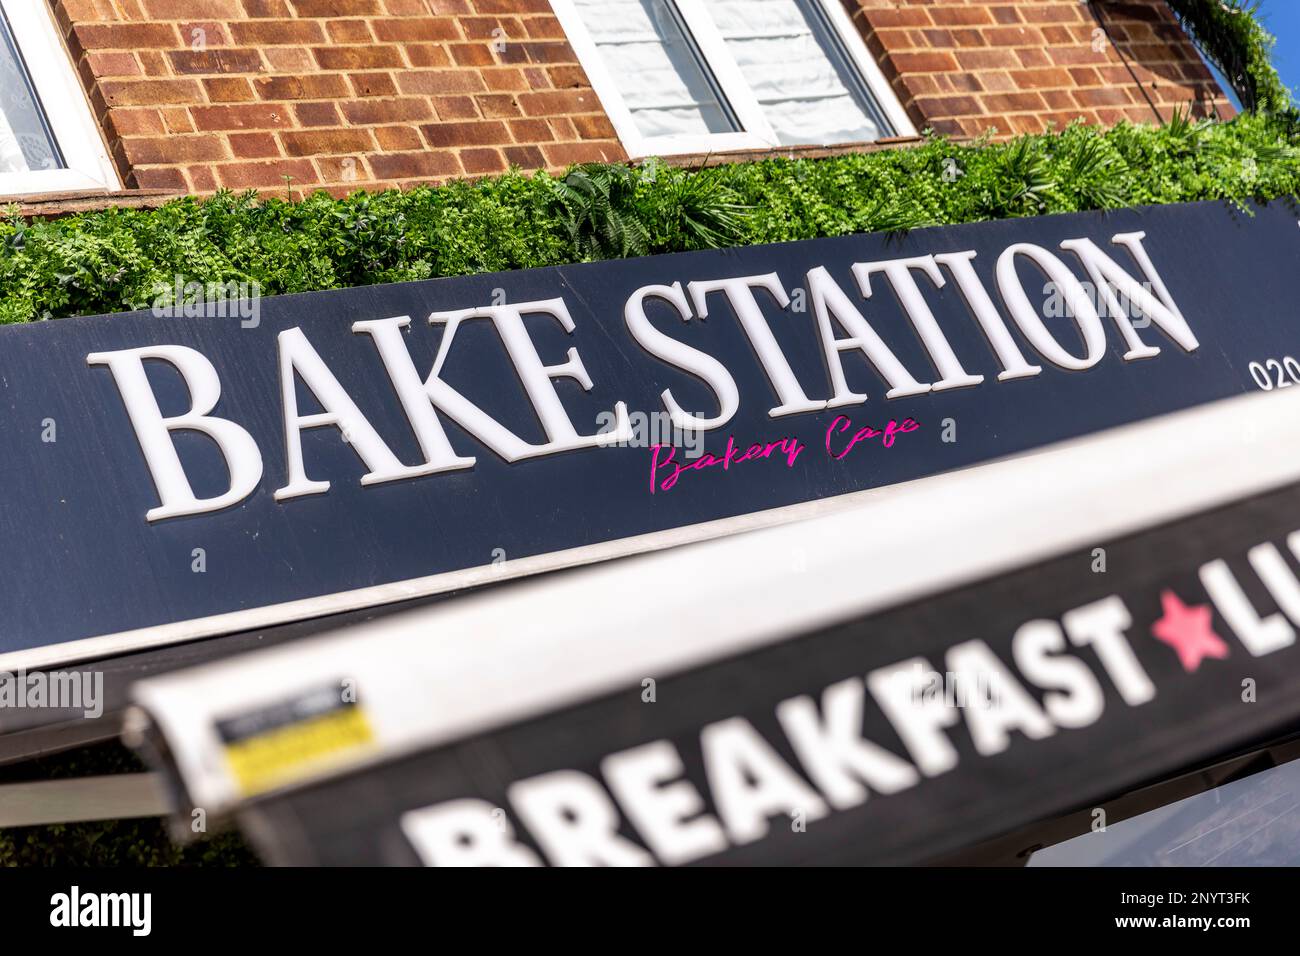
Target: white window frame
column 756, row 132
column 65, row 107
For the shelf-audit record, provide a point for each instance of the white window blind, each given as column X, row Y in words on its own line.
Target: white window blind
column 700, row 75
column 657, row 67
column 796, row 67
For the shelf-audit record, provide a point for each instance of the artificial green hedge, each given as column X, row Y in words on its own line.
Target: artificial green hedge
column 122, row 259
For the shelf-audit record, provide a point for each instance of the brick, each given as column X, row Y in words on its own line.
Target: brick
column 228, row 89
column 316, row 114
column 512, row 6
column 349, row 31
column 1039, row 79
column 154, row 63
column 567, row 154
column 472, row 54
column 134, row 122
column 1031, row 56
column 1012, row 102
column 924, row 62
column 1076, row 55
column 427, row 55
column 1013, row 36
column 204, row 34
column 594, row 127
column 525, row 157
column 504, row 79
column 421, row 165
column 545, row 52
column 498, row 105
column 150, row 92
column 173, row 150
column 1051, row 13
column 964, row 82
column 254, row 145
column 482, row 161
column 531, row 130
column 1106, row 97
column 987, row 59
column 314, row 142
column 202, row 179
column 485, row 133
column 902, row 17
column 567, row 77
column 1084, row 76
column 394, row 139
column 158, row 178
column 309, row 87
column 455, row 107
column 267, row 8
column 126, row 36
column 357, row 57
column 544, row 28
column 1057, row 99
column 372, row 84
column 558, row 102
column 375, row 111
column 216, row 61
column 177, row 120
column 960, row 16
column 440, row 81
column 113, row 64
column 187, row 9
column 949, row 106
column 343, row 169
column 289, row 59
column 241, row 116
column 277, row 32
column 492, row 28
column 335, row 8
column 255, row 175
column 417, row 30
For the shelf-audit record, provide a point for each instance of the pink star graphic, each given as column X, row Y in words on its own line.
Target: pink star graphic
column 1187, row 630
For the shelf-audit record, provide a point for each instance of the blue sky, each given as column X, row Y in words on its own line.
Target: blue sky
column 1282, row 19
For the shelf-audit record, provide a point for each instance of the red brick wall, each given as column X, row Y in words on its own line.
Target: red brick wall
column 197, row 94
column 964, row 66
column 193, row 95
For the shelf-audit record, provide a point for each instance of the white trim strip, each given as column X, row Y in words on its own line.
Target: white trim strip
column 79, row 799
column 432, row 675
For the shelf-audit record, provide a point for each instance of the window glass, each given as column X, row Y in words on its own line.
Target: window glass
column 1250, row 822
column 25, row 141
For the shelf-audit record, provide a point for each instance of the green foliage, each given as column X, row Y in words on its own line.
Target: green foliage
column 1229, row 34
column 123, row 259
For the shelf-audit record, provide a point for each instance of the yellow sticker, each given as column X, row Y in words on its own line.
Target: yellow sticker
column 271, row 759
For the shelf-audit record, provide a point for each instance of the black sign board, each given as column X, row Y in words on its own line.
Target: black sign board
column 900, row 737
column 170, row 475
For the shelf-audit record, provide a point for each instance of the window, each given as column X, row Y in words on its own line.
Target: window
column 48, row 139
column 686, row 76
